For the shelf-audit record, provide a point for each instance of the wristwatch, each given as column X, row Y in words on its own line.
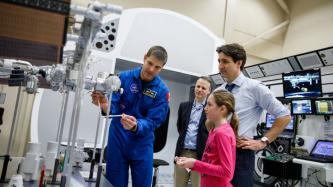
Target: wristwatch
column 265, row 140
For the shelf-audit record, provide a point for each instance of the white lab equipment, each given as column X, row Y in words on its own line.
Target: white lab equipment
column 104, row 82
column 50, row 157
column 306, row 164
column 31, row 162
column 16, row 180
column 305, row 142
column 79, row 155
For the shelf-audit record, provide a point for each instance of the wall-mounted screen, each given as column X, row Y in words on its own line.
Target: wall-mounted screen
column 276, row 67
column 254, row 72
column 293, row 62
column 327, row 56
column 303, row 106
column 270, row 120
column 301, row 84
column 309, row 60
column 324, row 106
column 217, row 79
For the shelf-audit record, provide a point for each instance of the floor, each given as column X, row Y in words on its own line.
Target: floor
column 166, row 180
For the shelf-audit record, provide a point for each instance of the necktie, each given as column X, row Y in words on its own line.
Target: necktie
column 229, row 87
column 197, row 107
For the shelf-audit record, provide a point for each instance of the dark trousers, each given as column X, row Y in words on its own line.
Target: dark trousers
column 244, row 168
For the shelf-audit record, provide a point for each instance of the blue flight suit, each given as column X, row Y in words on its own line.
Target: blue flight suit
column 148, row 102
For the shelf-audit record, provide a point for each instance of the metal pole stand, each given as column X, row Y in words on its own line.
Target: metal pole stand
column 93, row 160
column 99, row 171
column 7, row 156
column 63, row 181
column 4, row 169
column 91, row 172
column 55, row 173
column 115, row 84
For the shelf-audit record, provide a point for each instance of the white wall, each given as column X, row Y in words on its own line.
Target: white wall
column 311, row 26
column 308, row 19
column 21, row 127
column 179, row 93
column 254, row 17
column 191, row 47
column 49, row 113
column 208, row 13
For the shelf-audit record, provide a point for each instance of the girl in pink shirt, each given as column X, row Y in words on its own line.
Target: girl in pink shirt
column 218, row 161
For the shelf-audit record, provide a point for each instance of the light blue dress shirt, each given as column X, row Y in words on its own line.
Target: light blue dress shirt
column 252, row 98
column 190, row 141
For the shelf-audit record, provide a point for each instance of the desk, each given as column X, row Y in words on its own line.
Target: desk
column 306, row 164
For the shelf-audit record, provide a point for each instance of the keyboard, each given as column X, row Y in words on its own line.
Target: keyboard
column 315, row 159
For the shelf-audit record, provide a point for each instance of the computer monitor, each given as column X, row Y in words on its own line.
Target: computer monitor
column 323, row 148
column 324, row 106
column 302, row 84
column 302, row 107
column 270, row 120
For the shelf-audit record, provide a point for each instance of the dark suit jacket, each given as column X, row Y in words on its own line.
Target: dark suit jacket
column 184, row 113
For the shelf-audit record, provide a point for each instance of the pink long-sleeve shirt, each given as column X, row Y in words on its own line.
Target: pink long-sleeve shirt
column 218, row 161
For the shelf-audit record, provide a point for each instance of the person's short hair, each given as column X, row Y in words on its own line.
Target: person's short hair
column 235, row 51
column 159, row 52
column 208, row 80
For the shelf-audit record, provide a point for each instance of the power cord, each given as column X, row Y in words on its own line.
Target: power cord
column 309, row 175
column 320, row 182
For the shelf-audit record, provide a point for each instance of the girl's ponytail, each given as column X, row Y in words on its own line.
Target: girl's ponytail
column 234, row 122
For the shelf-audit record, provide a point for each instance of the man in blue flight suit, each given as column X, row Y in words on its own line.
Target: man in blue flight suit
column 144, row 105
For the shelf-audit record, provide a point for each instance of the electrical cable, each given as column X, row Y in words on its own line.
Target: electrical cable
column 319, row 181
column 294, row 184
column 309, row 175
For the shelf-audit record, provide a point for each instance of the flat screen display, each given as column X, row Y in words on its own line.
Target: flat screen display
column 270, row 120
column 324, row 106
column 301, row 107
column 323, row 148
column 302, row 84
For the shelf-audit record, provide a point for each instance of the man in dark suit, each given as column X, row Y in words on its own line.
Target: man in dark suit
column 192, row 132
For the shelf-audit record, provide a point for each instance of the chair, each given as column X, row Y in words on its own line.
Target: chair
column 159, row 143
